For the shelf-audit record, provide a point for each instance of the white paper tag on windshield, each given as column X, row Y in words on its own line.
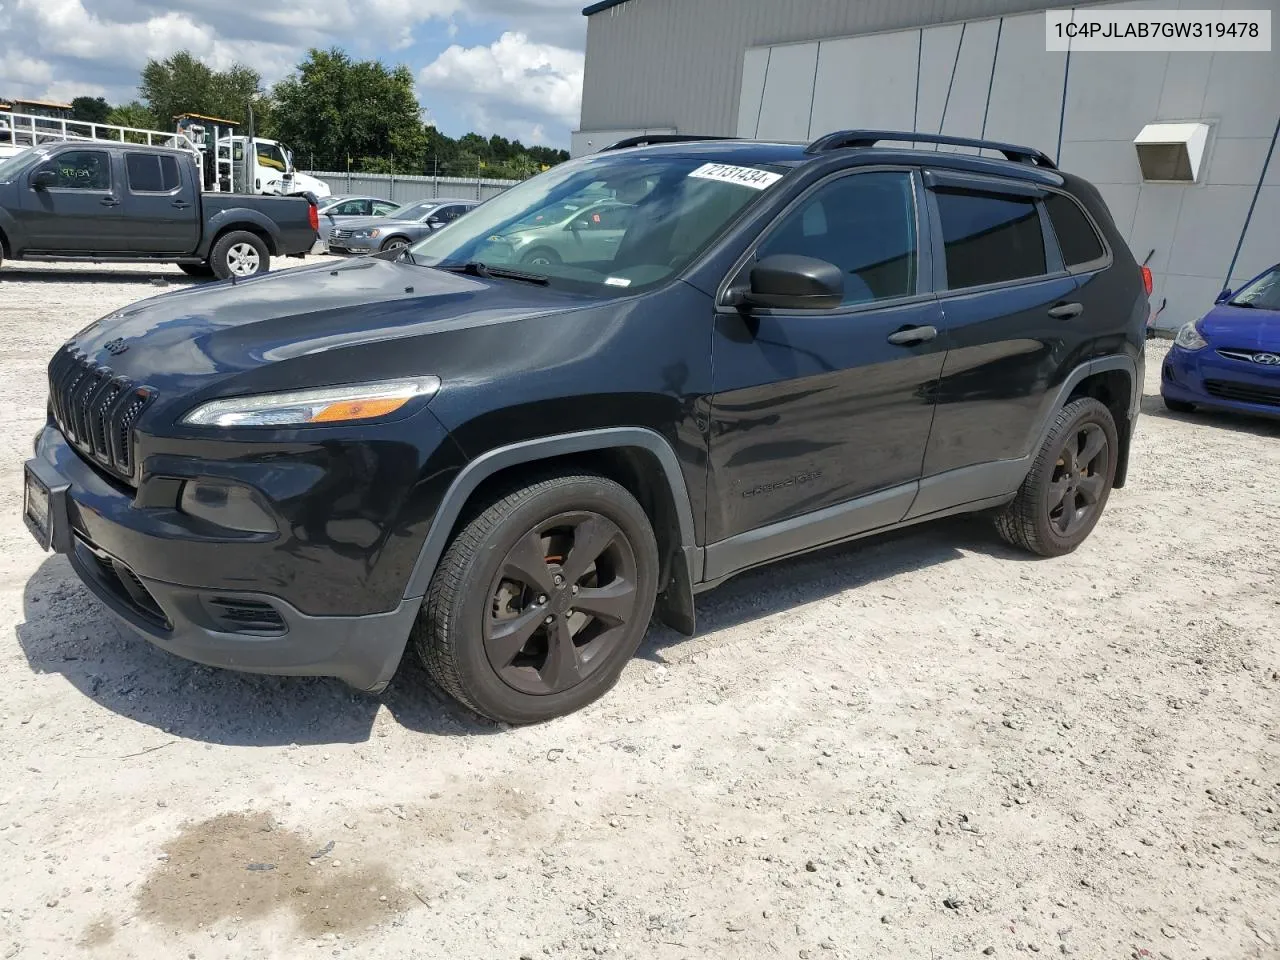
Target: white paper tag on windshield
column 617, row 281
column 743, row 176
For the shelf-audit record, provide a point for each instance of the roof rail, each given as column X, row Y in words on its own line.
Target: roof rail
column 646, row 139
column 869, row 138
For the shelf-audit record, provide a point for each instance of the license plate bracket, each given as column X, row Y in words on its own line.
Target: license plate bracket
column 43, row 500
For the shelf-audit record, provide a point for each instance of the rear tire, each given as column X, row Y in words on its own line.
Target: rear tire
column 541, row 599
column 1064, row 493
column 200, row 270
column 239, row 254
column 1178, row 406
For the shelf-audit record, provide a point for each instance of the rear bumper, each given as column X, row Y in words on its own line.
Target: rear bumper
column 255, row 632
column 1205, row 378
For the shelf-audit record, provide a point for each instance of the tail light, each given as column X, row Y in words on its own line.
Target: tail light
column 1147, row 282
column 313, row 217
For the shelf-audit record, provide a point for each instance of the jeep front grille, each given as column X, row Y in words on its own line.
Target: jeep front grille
column 96, row 410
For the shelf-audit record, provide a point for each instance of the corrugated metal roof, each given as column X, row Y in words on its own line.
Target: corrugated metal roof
column 600, row 7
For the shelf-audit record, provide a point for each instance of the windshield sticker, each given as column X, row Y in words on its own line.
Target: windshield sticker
column 743, row 176
column 617, row 281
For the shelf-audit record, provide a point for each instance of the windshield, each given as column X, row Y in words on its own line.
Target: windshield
column 609, row 222
column 1263, row 293
column 413, row 211
column 11, row 168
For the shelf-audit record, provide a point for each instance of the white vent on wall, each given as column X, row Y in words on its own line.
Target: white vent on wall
column 1171, row 152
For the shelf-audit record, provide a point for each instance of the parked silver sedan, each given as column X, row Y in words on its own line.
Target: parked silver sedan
column 341, row 209
column 401, row 227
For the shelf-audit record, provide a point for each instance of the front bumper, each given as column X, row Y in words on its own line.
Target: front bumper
column 1206, row 378
column 357, row 247
column 252, row 631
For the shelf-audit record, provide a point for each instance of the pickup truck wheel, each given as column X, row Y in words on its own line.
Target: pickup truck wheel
column 196, row 269
column 239, row 254
column 541, row 599
column 1067, row 487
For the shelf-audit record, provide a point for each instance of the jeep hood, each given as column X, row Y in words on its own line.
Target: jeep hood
column 181, row 341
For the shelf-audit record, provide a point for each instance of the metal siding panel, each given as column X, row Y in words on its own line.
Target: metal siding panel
column 679, row 63
column 937, row 56
column 865, row 82
column 754, row 63
column 1262, row 243
column 788, row 89
column 1026, row 92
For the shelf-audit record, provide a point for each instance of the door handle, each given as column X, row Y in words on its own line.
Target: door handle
column 1065, row 311
column 109, row 202
column 181, row 204
column 910, row 336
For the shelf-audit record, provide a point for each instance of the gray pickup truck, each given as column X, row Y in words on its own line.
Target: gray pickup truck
column 102, row 201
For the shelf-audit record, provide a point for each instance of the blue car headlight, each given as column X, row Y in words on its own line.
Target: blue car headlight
column 1189, row 338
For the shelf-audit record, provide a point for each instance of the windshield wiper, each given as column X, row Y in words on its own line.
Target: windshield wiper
column 1241, row 303
column 474, row 268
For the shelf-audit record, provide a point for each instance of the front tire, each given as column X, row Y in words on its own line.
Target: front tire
column 541, row 599
column 239, row 254
column 1064, row 493
column 395, row 243
column 541, row 257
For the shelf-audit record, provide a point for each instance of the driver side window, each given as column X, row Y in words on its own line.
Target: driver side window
column 80, row 170
column 865, row 224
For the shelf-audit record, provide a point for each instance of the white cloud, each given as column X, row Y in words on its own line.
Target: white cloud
column 513, row 83
column 531, row 76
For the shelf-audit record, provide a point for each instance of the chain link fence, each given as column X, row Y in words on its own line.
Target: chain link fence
column 408, row 189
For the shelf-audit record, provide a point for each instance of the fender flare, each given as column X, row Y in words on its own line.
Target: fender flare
column 1073, row 379
column 239, row 218
column 530, row 451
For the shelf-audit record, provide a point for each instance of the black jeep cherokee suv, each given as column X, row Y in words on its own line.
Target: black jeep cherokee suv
column 509, row 451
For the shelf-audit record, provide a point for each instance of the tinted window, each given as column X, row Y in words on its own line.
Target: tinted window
column 1076, row 236
column 149, row 173
column 990, row 239
column 81, row 170
column 351, row 208
column 865, row 224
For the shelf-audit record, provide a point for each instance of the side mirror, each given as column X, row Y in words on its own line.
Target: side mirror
column 44, row 179
column 792, row 282
column 1223, row 297
column 435, row 223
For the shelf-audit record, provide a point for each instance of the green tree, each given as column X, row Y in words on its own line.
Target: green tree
column 182, row 84
column 90, row 109
column 333, row 107
column 132, row 114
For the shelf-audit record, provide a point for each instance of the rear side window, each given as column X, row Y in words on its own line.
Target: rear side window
column 990, row 238
column 149, row 173
column 1076, row 236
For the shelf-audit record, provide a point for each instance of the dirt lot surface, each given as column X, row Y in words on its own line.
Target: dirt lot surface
column 924, row 746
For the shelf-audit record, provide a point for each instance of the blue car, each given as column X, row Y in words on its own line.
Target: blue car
column 1230, row 358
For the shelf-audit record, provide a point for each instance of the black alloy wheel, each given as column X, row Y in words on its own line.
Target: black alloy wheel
column 1068, row 484
column 562, row 601
column 541, row 598
column 1080, row 477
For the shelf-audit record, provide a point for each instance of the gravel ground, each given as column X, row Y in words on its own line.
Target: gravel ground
column 927, row 745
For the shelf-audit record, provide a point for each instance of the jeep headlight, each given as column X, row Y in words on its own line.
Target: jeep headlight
column 324, row 405
column 1189, row 338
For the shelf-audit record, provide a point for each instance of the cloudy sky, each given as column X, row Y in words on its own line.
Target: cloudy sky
column 512, row 67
